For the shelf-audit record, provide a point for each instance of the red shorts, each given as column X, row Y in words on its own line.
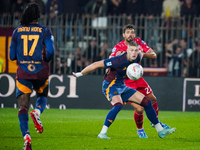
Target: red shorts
column 140, row 85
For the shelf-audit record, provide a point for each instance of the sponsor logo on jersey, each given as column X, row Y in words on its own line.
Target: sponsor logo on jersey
column 31, row 67
column 108, row 63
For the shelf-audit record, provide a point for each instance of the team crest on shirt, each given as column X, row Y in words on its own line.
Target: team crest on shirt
column 108, row 64
column 143, row 42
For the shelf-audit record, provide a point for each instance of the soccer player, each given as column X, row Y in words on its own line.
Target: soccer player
column 118, row 93
column 141, row 85
column 32, row 46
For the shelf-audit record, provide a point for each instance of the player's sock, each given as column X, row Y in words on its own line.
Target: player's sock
column 37, row 111
column 150, row 112
column 23, row 121
column 155, row 106
column 138, row 117
column 40, row 104
column 158, row 127
column 104, row 129
column 112, row 114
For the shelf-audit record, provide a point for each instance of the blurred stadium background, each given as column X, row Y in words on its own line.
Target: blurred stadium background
column 84, row 34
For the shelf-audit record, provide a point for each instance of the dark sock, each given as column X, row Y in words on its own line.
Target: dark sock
column 41, row 103
column 112, row 114
column 151, row 113
column 23, row 121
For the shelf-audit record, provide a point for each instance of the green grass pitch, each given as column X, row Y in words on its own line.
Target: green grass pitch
column 77, row 129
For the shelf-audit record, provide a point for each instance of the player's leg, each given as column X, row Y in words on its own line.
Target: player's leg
column 138, row 114
column 112, row 93
column 117, row 106
column 139, row 98
column 153, row 98
column 23, row 91
column 138, row 117
column 41, row 88
column 23, row 101
column 144, row 88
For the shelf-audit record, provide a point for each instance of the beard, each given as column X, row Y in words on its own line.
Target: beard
column 129, row 39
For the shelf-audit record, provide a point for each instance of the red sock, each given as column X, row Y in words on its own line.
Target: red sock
column 138, row 120
column 155, row 106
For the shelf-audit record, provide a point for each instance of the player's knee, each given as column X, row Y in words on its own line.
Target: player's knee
column 23, row 104
column 152, row 97
column 23, row 101
column 145, row 101
column 139, row 109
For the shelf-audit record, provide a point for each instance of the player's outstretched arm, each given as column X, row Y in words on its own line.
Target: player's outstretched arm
column 90, row 68
column 150, row 54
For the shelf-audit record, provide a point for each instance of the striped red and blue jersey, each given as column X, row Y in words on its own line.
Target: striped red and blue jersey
column 118, row 66
column 33, row 47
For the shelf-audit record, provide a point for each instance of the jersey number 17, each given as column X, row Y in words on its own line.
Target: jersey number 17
column 25, row 43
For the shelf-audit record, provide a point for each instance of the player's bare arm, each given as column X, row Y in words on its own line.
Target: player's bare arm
column 150, row 54
column 90, row 68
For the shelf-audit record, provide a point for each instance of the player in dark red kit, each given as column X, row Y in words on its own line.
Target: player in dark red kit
column 141, row 85
column 32, row 46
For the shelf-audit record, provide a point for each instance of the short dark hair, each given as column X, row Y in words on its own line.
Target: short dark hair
column 128, row 26
column 30, row 14
column 133, row 43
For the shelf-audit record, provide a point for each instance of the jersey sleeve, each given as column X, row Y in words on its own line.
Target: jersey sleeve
column 49, row 43
column 114, row 61
column 13, row 45
column 143, row 45
column 114, row 51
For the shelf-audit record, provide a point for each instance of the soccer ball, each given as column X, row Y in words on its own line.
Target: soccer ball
column 134, row 71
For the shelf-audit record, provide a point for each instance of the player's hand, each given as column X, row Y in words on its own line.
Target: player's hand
column 78, row 74
column 118, row 53
column 74, row 74
column 141, row 53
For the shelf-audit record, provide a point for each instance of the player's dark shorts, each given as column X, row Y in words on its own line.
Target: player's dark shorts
column 111, row 89
column 27, row 86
